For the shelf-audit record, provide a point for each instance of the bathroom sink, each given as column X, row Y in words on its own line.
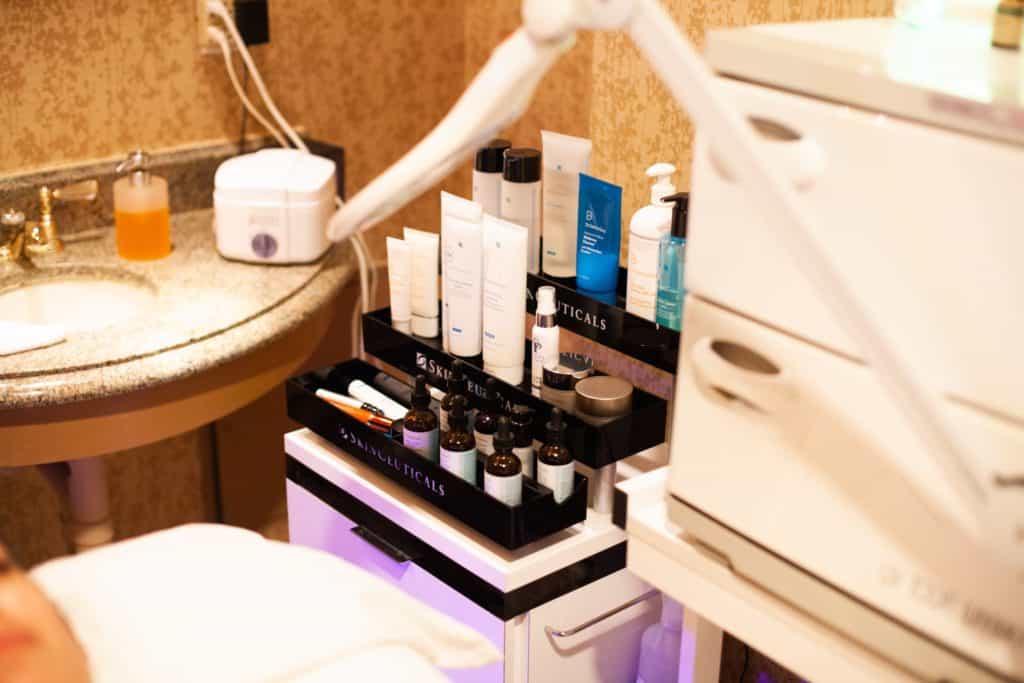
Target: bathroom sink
column 80, row 302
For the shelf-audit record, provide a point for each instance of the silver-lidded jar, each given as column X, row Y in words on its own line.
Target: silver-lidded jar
column 560, row 380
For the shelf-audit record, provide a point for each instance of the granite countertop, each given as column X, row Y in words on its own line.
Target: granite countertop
column 205, row 311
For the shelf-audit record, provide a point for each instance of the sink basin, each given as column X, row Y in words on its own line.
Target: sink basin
column 78, row 302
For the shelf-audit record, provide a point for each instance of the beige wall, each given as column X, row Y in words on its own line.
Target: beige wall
column 86, row 79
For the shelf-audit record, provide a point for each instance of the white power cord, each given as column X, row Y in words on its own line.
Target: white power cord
column 217, row 8
column 367, row 275
column 362, row 258
column 218, row 37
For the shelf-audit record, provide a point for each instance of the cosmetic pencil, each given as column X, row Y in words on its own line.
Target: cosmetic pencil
column 366, row 417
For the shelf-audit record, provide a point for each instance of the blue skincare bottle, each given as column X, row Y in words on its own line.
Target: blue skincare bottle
column 599, row 236
column 671, row 259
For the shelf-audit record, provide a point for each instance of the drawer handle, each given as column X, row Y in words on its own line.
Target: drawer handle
column 382, row 544
column 732, row 373
column 799, row 156
column 565, row 633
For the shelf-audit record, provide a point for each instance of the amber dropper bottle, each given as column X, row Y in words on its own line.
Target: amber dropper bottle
column 503, row 472
column 420, row 429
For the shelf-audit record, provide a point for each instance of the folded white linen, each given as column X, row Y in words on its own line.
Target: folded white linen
column 387, row 664
column 215, row 603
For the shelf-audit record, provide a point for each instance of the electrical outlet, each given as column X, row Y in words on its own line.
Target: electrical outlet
column 252, row 17
column 205, row 45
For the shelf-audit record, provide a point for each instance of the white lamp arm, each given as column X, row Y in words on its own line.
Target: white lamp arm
column 495, row 98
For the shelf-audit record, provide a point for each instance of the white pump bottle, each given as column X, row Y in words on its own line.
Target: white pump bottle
column 648, row 225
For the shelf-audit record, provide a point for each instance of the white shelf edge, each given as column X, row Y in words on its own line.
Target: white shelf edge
column 658, row 554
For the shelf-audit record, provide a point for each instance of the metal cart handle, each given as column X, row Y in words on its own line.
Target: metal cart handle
column 565, row 633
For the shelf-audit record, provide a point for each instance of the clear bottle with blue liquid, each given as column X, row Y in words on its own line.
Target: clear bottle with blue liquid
column 671, row 259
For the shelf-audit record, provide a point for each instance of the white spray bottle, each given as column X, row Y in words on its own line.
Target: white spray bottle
column 545, row 336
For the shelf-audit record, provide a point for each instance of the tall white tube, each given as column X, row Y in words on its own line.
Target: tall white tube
column 453, row 205
column 504, row 299
column 463, row 285
column 399, row 277
column 424, row 247
column 565, row 157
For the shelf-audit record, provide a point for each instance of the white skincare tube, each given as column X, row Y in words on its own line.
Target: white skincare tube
column 487, row 168
column 504, row 299
column 565, row 157
column 424, row 247
column 520, row 198
column 453, row 205
column 399, row 274
column 463, row 285
column 392, row 409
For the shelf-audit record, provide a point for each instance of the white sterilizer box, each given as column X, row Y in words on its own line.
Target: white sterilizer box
column 272, row 206
column 908, row 147
column 790, row 458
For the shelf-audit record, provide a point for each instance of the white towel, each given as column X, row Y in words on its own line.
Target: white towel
column 16, row 337
column 206, row 603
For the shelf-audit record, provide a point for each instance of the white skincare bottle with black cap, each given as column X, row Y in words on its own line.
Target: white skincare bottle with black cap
column 545, row 336
column 487, row 170
column 503, row 472
column 521, row 200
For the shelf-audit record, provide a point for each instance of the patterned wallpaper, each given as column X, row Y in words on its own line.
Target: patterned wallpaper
column 91, row 79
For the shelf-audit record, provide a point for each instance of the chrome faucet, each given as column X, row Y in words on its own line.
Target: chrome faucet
column 39, row 238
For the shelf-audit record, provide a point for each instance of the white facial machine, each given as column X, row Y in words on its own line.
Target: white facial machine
column 914, row 487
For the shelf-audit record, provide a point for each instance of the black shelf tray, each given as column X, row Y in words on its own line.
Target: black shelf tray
column 608, row 322
column 512, row 527
column 594, row 444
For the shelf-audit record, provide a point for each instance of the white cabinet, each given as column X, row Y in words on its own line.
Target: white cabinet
column 574, row 582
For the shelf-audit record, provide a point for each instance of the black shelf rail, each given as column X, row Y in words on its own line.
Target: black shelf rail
column 604, row 319
column 595, row 443
column 536, row 517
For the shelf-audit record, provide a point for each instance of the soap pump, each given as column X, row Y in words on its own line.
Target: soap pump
column 646, row 229
column 671, row 262
column 141, row 212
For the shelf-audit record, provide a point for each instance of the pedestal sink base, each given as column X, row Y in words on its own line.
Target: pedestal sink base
column 89, row 524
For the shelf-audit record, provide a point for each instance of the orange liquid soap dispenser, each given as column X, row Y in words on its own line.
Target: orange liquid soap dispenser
column 142, row 216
